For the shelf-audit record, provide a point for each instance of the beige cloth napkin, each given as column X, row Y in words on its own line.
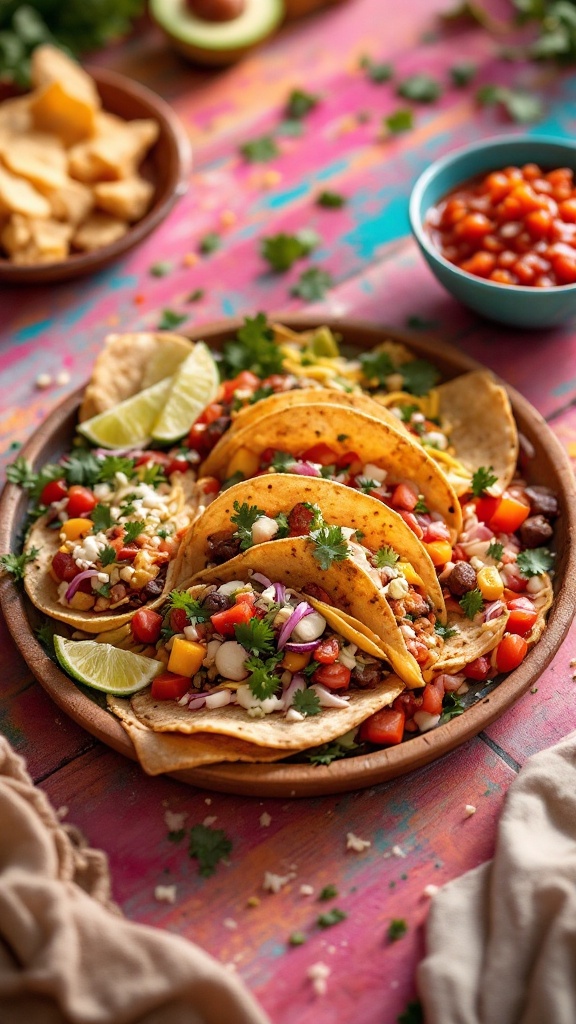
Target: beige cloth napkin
column 67, row 956
column 501, row 939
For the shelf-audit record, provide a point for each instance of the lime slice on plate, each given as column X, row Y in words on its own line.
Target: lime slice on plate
column 128, row 424
column 195, row 386
column 104, row 667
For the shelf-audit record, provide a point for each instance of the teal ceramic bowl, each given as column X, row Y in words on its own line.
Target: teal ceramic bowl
column 518, row 305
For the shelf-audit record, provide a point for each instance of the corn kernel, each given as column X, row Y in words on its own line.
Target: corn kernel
column 75, row 528
column 294, row 662
column 440, row 551
column 186, row 657
column 243, row 461
column 490, row 583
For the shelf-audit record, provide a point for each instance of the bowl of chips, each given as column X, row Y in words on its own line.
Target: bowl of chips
column 90, row 164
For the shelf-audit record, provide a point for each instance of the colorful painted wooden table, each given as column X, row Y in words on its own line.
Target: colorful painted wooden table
column 418, row 827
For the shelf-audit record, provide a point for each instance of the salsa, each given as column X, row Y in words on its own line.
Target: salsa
column 515, row 226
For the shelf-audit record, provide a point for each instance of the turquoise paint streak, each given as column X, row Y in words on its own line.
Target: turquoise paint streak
column 383, row 226
column 565, row 388
column 33, row 330
column 278, row 200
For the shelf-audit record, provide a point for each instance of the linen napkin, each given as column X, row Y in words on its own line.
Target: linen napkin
column 67, row 956
column 501, row 939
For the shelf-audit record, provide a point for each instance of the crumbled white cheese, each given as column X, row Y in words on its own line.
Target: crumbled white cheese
column 264, row 529
column 274, row 883
column 318, row 974
column 397, row 588
column 208, row 800
column 469, row 810
column 165, row 893
column 430, row 890
column 354, row 842
column 425, row 721
column 43, row 381
column 209, row 820
column 174, row 820
column 265, row 819
column 436, row 439
column 230, row 923
column 397, row 851
column 306, row 890
column 62, row 378
column 61, row 812
column 292, row 715
column 374, row 472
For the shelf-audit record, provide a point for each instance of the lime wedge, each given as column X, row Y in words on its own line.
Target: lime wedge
column 195, row 386
column 104, row 667
column 128, row 424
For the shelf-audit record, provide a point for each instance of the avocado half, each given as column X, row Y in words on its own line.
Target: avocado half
column 217, row 42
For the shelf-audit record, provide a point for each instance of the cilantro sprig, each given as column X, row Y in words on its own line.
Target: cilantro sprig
column 307, row 702
column 445, row 632
column 132, row 530
column 208, row 846
column 256, row 636
column 385, row 557
column 300, row 103
column 535, row 562
column 244, row 517
column 281, row 251
column 15, row 565
column 472, row 603
column 254, row 349
column 263, row 680
column 495, row 550
column 482, row 479
column 330, row 545
column 192, row 607
column 312, row 284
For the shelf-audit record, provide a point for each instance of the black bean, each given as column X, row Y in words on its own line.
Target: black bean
column 216, row 603
column 222, row 546
column 462, row 579
column 153, row 589
column 535, row 531
column 543, row 502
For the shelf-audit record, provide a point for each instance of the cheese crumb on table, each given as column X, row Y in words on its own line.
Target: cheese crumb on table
column 469, row 810
column 62, row 378
column 209, row 821
column 43, row 380
column 265, row 819
column 318, row 974
column 354, row 842
column 397, row 851
column 274, row 883
column 230, row 924
column 165, row 893
column 430, row 890
column 306, row 890
column 174, row 820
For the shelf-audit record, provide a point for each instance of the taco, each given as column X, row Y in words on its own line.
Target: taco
column 337, row 443
column 102, row 551
column 265, row 664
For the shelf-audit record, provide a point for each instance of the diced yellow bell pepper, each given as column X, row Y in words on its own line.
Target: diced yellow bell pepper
column 81, row 602
column 490, row 583
column 294, row 662
column 243, row 461
column 75, row 528
column 186, row 657
column 409, row 573
column 440, row 551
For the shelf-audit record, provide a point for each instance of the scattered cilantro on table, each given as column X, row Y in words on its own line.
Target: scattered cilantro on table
column 208, row 846
column 385, row 557
column 306, row 702
column 300, row 103
column 472, row 603
column 261, row 150
column 420, row 88
column 535, row 561
column 170, row 319
column 161, row 269
column 281, row 251
column 482, row 479
column 330, row 545
column 15, row 565
column 312, row 284
column 297, row 939
column 330, row 200
column 396, row 929
column 401, row 120
column 196, row 295
column 376, row 71
column 256, row 636
column 413, row 1014
column 520, row 105
column 331, row 917
column 290, row 126
column 463, row 73
column 244, row 517
column 254, row 349
column 329, row 892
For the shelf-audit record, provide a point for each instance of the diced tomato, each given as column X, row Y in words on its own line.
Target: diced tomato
column 350, row 461
column 418, row 650
column 458, row 554
column 300, row 519
column 404, row 498
column 64, row 566
column 432, row 697
column 154, row 457
column 146, row 625
column 168, row 686
column 509, row 515
column 177, row 464
column 247, row 597
column 320, row 453
column 211, row 413
column 510, row 652
column 522, row 616
column 478, row 669
column 126, row 553
column 408, row 702
column 209, row 485
column 55, row 490
column 178, row 620
column 333, row 677
column 412, row 522
column 486, row 507
column 245, row 381
column 385, row 728
column 327, row 651
column 80, row 500
column 225, row 621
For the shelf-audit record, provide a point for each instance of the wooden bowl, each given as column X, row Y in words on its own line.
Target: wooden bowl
column 550, row 466
column 167, row 166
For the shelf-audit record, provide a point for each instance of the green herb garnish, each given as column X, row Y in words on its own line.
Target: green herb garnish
column 419, row 376
column 462, row 73
column 15, row 565
column 281, row 251
column 161, row 269
column 256, row 636
column 170, row 319
column 376, row 71
column 520, row 105
column 445, row 631
column 385, row 557
column 132, row 530
column 306, row 702
column 482, row 479
column 330, row 200
column 331, row 917
column 495, row 550
column 254, row 349
column 209, row 243
column 300, row 103
column 330, row 545
column 452, row 706
column 244, row 518
column 535, row 561
column 312, row 284
column 107, row 556
column 282, row 462
column 329, row 892
column 260, row 151
column 193, row 608
column 297, row 939
column 262, row 681
column 208, row 846
column 401, row 120
column 471, row 603
column 396, row 929
column 420, row 88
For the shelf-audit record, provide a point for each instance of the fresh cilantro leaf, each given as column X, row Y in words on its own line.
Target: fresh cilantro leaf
column 153, row 475
column 330, row 545
column 376, row 366
column 164, row 532
column 262, row 681
column 482, row 479
column 367, row 485
column 329, row 892
column 283, row 525
column 160, row 269
column 196, row 295
column 170, row 319
column 177, row 835
column 208, row 846
column 407, row 411
column 113, row 464
column 495, row 550
column 244, row 518
column 132, row 530
column 107, row 556
column 297, row 939
column 535, row 561
column 331, row 917
column 401, row 120
column 290, row 126
column 307, row 702
column 192, row 607
column 312, row 284
column 20, row 472
column 462, row 73
column 413, row 1014
column 281, row 251
column 330, row 200
column 82, row 467
column 101, row 517
column 256, row 636
column 260, row 151
column 396, row 929
column 446, row 632
column 419, row 376
column 234, row 479
column 420, row 323
column 376, row 71
column 310, row 668
column 421, row 505
column 420, row 88
column 255, row 349
column 104, row 590
column 452, row 706
column 385, row 557
column 300, row 103
column 520, row 105
column 210, row 243
column 282, row 462
column 259, row 395
column 327, row 472
column 15, row 565
column 472, row 603
column 127, row 506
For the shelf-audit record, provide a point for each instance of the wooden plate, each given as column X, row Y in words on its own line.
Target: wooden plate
column 550, row 466
column 167, row 166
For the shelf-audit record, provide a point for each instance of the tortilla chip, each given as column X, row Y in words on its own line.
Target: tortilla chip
column 71, row 202
column 128, row 363
column 482, row 428
column 128, row 199
column 18, row 196
column 98, row 230
column 38, row 157
column 296, row 428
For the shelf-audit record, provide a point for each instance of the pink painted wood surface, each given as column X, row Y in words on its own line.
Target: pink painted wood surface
column 380, row 276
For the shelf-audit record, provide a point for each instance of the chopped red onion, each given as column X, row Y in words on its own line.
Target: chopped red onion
column 297, row 683
column 261, row 578
column 310, row 645
column 327, row 698
column 197, row 702
column 493, row 610
column 480, row 532
column 304, row 469
column 300, row 612
column 86, row 575
column 279, row 593
column 219, row 699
